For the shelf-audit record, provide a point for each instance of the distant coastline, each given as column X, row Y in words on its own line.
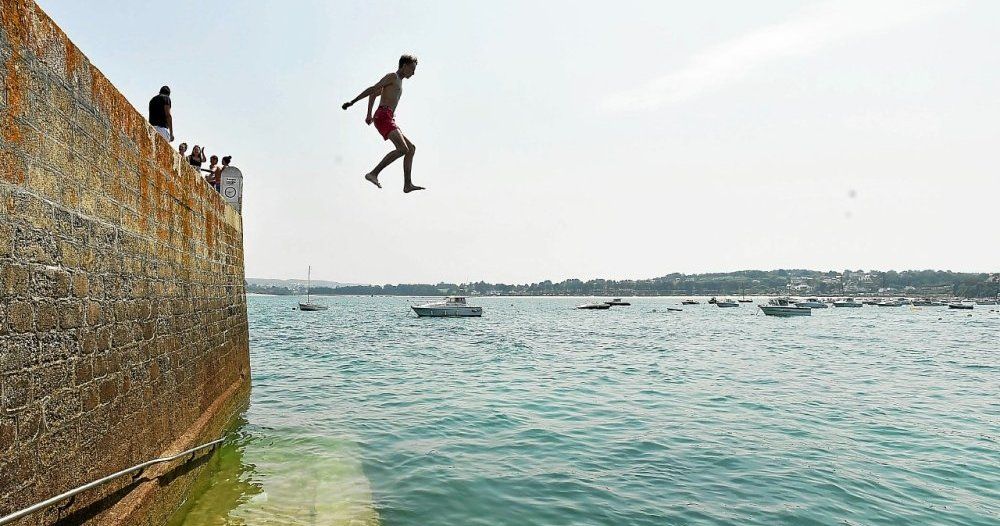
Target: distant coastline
column 800, row 282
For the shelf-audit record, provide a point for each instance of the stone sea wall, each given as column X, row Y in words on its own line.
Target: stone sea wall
column 123, row 329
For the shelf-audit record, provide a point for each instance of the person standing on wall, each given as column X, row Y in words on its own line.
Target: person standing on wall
column 197, row 157
column 159, row 114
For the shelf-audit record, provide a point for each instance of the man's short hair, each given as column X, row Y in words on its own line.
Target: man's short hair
column 227, row 158
column 165, row 90
column 407, row 59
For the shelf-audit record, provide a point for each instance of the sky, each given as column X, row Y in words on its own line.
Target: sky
column 583, row 139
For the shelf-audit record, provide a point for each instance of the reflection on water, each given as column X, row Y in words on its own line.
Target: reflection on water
column 269, row 476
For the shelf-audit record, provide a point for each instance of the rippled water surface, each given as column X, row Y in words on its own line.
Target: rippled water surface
column 540, row 414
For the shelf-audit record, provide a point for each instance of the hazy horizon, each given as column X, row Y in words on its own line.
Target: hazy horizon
column 342, row 282
column 568, row 140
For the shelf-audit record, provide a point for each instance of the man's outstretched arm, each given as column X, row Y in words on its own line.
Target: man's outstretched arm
column 363, row 94
column 371, row 92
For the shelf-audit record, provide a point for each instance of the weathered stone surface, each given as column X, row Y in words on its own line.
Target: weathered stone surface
column 122, row 308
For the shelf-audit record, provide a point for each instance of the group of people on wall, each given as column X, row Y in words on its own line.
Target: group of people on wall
column 163, row 122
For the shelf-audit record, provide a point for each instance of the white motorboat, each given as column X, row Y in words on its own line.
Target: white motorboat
column 726, row 303
column 811, row 303
column 451, row 306
column 309, row 306
column 961, row 305
column 783, row 308
column 848, row 302
column 690, row 302
column 617, row 302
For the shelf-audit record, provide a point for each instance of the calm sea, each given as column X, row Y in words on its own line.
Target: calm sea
column 539, row 414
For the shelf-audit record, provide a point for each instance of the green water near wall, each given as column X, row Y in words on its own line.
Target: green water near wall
column 541, row 414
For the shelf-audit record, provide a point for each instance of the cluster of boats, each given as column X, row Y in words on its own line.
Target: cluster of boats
column 790, row 307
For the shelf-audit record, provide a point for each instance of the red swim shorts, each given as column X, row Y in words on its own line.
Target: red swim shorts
column 385, row 122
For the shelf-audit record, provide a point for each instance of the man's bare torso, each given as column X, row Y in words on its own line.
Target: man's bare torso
column 391, row 92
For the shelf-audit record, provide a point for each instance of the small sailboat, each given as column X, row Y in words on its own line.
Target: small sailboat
column 308, row 305
column 744, row 299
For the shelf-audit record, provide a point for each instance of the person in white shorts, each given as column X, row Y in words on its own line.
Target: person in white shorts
column 159, row 114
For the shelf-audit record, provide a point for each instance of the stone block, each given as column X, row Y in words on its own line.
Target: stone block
column 46, row 317
column 8, row 432
column 29, row 423
column 44, row 182
column 13, row 280
column 57, row 346
column 108, row 389
column 6, row 237
column 83, row 371
column 81, row 284
column 32, row 245
column 90, row 397
column 70, row 314
column 18, row 391
column 93, row 313
column 21, row 317
column 49, row 282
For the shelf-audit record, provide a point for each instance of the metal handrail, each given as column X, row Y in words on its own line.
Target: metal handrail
column 72, row 493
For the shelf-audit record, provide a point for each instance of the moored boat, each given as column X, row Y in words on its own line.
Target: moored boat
column 784, row 308
column 811, row 303
column 451, row 306
column 848, row 302
column 594, row 306
column 690, row 302
column 726, row 303
column 961, row 306
column 309, row 306
column 617, row 302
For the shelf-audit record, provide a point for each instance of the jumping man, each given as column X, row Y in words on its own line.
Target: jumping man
column 390, row 89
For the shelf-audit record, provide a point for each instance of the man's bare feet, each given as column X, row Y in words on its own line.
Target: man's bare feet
column 412, row 188
column 373, row 179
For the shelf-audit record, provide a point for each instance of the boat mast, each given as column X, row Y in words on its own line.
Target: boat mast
column 308, row 281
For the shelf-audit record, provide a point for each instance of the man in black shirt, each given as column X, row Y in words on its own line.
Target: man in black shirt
column 159, row 114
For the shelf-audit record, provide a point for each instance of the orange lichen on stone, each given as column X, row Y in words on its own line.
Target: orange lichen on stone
column 73, row 59
column 11, row 168
column 14, row 17
column 14, row 83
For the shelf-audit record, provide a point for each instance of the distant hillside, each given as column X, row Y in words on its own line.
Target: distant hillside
column 288, row 286
column 793, row 281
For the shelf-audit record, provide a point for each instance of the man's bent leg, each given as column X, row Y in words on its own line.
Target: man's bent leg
column 408, row 185
column 397, row 140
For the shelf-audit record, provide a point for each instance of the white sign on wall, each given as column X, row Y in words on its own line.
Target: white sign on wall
column 231, row 187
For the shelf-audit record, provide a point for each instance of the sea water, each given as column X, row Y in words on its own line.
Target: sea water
column 537, row 413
